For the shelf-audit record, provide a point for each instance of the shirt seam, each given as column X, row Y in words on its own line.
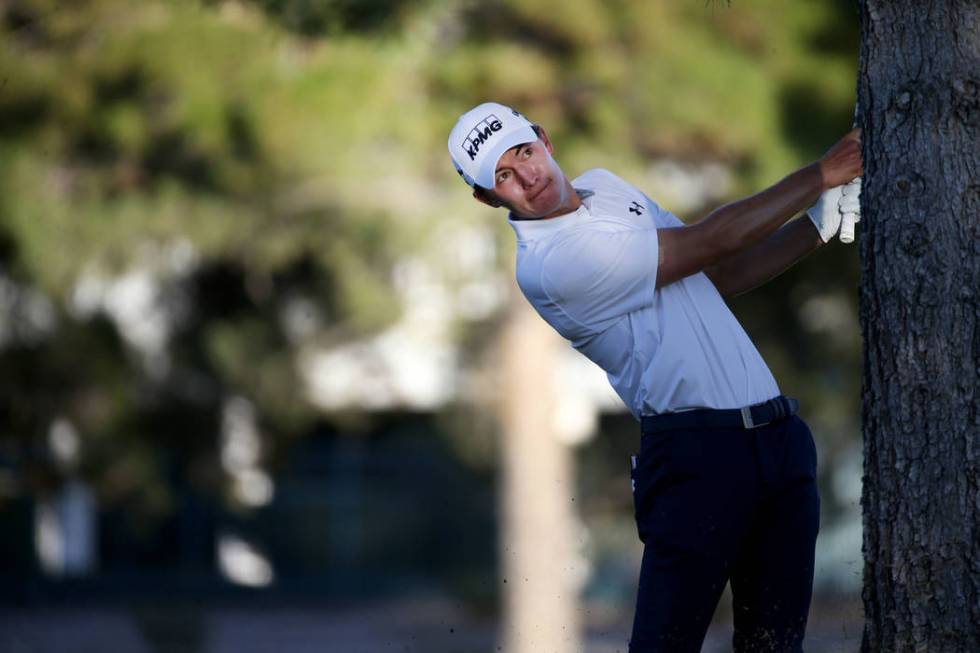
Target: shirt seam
column 593, row 331
column 558, row 305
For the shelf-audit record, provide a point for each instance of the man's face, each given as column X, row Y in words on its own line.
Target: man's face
column 529, row 182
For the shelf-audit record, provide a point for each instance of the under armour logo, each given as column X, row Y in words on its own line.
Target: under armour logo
column 636, row 208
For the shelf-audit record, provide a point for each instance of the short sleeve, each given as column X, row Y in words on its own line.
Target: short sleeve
column 661, row 216
column 597, row 277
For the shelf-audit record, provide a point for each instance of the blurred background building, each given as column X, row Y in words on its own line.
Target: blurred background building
column 257, row 344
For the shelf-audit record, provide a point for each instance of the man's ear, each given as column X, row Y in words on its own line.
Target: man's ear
column 543, row 135
column 489, row 201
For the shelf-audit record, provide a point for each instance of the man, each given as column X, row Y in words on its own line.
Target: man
column 724, row 484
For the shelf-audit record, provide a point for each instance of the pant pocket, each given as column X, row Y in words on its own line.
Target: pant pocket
column 633, row 474
column 650, row 473
column 802, row 454
column 666, row 463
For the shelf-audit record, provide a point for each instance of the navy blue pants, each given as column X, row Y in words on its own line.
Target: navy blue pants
column 725, row 505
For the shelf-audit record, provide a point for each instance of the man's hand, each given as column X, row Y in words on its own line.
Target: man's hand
column 739, row 226
column 825, row 214
column 842, row 162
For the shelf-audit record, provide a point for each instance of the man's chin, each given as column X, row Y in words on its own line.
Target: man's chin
column 546, row 203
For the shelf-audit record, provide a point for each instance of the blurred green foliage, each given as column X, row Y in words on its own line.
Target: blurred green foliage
column 297, row 149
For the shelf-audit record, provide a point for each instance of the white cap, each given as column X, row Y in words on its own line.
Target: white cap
column 481, row 136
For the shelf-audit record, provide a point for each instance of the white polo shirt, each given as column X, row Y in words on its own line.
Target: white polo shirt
column 591, row 274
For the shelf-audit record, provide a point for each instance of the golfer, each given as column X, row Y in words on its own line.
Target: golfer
column 724, row 483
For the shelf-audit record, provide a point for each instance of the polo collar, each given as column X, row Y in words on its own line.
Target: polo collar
column 542, row 228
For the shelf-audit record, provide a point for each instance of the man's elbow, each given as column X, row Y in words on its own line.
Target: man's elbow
column 720, row 241
column 688, row 250
column 721, row 280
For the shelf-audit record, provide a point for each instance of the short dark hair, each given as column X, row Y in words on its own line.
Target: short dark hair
column 483, row 193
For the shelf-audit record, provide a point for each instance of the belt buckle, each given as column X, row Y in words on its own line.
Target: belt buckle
column 747, row 418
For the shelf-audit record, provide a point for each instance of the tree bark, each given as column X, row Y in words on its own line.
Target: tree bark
column 919, row 92
column 537, row 542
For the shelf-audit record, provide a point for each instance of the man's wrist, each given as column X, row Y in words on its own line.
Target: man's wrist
column 823, row 175
column 811, row 182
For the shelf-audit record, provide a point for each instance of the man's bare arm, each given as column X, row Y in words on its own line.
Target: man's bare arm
column 740, row 225
column 766, row 260
column 734, row 227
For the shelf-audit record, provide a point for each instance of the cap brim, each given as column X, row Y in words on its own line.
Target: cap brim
column 485, row 177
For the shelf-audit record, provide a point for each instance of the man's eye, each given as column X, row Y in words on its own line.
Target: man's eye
column 526, row 153
column 502, row 177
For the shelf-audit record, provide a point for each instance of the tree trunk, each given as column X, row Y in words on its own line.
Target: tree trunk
column 919, row 92
column 537, row 540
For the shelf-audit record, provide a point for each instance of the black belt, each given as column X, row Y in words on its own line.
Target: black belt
column 748, row 417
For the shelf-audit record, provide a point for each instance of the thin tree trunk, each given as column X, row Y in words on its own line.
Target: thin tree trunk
column 537, row 540
column 919, row 91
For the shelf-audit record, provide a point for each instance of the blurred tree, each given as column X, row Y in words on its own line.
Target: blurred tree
column 163, row 171
column 328, row 17
column 921, row 112
column 538, row 539
column 197, row 196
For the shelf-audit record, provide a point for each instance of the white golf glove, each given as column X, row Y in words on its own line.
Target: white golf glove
column 850, row 209
column 825, row 214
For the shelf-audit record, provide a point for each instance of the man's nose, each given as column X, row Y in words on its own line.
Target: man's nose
column 527, row 175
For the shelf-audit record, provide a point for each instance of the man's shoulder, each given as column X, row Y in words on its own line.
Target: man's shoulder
column 619, row 197
column 609, row 187
column 600, row 177
column 616, row 199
